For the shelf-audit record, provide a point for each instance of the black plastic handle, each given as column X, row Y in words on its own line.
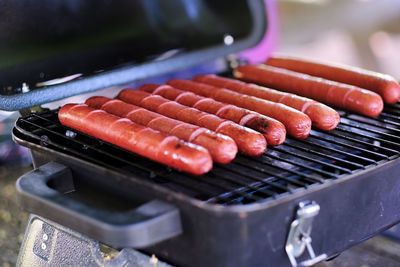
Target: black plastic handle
column 143, row 226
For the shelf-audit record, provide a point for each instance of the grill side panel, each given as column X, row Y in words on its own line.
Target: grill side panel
column 254, row 238
column 251, row 235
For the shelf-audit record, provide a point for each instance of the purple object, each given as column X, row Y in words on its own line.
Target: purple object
column 13, row 154
column 269, row 43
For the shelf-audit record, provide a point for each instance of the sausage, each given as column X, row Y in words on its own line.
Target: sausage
column 329, row 92
column 297, row 124
column 221, row 147
column 248, row 141
column 136, row 138
column 273, row 130
column 322, row 116
column 384, row 85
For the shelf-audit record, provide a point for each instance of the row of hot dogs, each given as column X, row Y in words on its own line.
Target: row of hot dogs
column 188, row 125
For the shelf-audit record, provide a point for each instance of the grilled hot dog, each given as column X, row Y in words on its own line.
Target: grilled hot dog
column 248, row 141
column 297, row 124
column 322, row 116
column 332, row 93
column 273, row 130
column 136, row 138
column 221, row 147
column 384, row 85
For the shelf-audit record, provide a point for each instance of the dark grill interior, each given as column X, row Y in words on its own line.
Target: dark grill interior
column 356, row 144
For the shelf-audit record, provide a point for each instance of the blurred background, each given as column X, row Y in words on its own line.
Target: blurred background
column 364, row 33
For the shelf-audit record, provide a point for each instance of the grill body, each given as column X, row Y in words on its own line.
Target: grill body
column 237, row 215
column 248, row 225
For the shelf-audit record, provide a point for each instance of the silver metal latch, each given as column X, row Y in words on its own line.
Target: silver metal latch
column 299, row 235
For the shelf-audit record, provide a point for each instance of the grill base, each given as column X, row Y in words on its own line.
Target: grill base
column 47, row 243
column 240, row 214
column 247, row 235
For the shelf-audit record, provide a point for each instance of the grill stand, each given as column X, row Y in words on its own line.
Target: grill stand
column 49, row 244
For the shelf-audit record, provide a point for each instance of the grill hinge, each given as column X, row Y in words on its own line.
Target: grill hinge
column 299, row 237
column 233, row 61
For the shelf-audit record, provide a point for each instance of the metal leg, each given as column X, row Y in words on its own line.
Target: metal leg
column 49, row 244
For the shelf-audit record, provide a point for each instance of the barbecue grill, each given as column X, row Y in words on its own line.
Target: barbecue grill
column 300, row 203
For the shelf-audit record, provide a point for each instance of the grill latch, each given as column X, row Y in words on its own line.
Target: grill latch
column 299, row 237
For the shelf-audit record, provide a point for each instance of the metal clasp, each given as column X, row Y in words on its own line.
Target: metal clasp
column 299, row 235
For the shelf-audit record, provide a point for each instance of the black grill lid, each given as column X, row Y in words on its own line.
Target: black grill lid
column 54, row 49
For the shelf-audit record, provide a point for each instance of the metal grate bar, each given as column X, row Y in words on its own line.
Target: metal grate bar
column 310, row 168
column 303, row 156
column 339, row 128
column 242, row 192
column 337, row 159
column 344, row 153
column 232, row 198
column 244, row 163
column 309, row 178
column 363, row 150
column 235, row 178
column 391, row 109
column 358, row 141
column 354, row 125
column 393, row 117
column 244, row 173
column 374, row 123
column 386, row 121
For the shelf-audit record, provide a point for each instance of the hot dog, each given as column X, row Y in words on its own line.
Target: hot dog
column 384, row 85
column 297, row 124
column 273, row 130
column 221, row 147
column 136, row 138
column 248, row 141
column 329, row 92
column 322, row 116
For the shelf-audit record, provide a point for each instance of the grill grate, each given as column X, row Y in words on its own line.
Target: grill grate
column 357, row 143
